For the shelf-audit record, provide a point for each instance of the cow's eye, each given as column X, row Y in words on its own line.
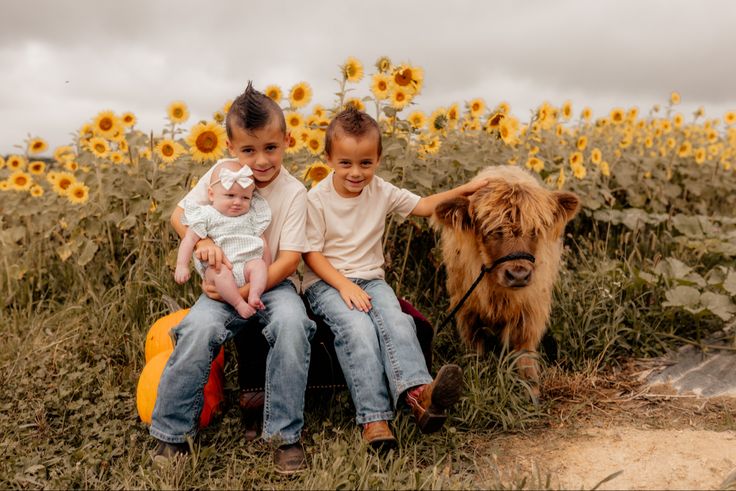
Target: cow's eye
column 497, row 234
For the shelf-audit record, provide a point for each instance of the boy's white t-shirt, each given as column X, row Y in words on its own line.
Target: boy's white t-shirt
column 287, row 198
column 349, row 231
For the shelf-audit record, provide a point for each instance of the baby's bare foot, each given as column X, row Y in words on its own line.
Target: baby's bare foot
column 245, row 310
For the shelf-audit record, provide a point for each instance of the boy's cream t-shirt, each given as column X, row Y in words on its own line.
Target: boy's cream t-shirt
column 287, row 198
column 349, row 231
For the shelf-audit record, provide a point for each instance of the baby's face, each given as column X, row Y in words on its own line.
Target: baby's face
column 231, row 202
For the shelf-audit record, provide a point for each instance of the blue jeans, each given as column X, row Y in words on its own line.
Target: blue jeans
column 199, row 336
column 379, row 352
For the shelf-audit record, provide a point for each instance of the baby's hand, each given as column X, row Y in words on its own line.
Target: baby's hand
column 181, row 275
column 355, row 296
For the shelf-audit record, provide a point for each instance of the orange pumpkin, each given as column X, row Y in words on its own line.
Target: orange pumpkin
column 214, row 392
column 158, row 338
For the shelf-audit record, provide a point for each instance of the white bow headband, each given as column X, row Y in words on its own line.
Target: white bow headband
column 228, row 177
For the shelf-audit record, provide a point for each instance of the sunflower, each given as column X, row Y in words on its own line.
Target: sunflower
column 567, row 110
column 106, row 124
column 16, row 162
column 315, row 172
column 78, row 193
column 417, row 120
column 576, row 158
column 37, row 167
column 2, row 162
column 453, row 115
column 294, row 120
column 535, row 164
column 128, row 119
column 438, row 120
column 586, row 114
column 20, row 181
column 4, row 185
column 674, row 98
column 300, row 95
column 318, row 110
column 508, row 130
column 632, row 113
column 178, row 112
column 71, row 165
column 37, row 145
column 409, row 77
column 596, row 156
column 206, row 141
column 476, row 107
column 380, row 85
column 168, row 150
column 684, row 149
column 218, row 116
column 561, row 178
column 729, row 118
column 63, row 152
column 699, row 155
column 226, row 107
column 430, row 144
column 274, row 93
column 617, row 115
column 315, row 143
column 52, row 176
column 582, row 143
column 352, row 70
column 356, row 103
column 36, row 191
column 711, row 135
column 295, row 143
column 99, row 147
column 122, row 145
column 400, row 97
column 383, row 64
column 145, row 153
column 677, row 120
column 62, row 182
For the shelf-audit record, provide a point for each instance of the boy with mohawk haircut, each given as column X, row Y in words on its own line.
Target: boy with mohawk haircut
column 257, row 138
column 375, row 341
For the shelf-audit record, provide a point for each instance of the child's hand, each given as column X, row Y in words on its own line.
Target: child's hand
column 209, row 289
column 355, row 296
column 472, row 186
column 207, row 251
column 181, row 274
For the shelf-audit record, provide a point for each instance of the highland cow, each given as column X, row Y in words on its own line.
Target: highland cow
column 513, row 228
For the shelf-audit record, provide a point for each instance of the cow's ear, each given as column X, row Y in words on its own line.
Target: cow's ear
column 454, row 213
column 568, row 205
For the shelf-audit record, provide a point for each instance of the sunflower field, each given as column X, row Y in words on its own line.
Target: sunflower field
column 88, row 254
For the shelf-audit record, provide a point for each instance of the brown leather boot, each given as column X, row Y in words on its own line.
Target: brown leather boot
column 378, row 435
column 430, row 405
column 289, row 459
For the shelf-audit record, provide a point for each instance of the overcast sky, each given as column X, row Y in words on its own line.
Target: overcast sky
column 61, row 62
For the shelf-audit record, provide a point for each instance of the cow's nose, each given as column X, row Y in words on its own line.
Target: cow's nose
column 517, row 277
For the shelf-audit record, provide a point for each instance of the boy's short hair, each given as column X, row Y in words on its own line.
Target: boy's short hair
column 253, row 110
column 355, row 123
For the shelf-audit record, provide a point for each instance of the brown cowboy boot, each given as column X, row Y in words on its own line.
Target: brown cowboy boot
column 378, row 435
column 429, row 403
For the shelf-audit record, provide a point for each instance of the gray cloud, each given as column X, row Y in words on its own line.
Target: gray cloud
column 62, row 62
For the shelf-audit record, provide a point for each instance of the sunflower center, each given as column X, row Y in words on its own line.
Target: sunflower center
column 292, row 141
column 400, row 97
column 403, row 77
column 79, row 193
column 207, row 142
column 177, row 112
column 313, row 144
column 99, row 147
column 298, row 94
column 21, row 180
column 105, row 124
column 37, row 145
column 167, row 150
column 64, row 183
column 382, row 85
column 294, row 122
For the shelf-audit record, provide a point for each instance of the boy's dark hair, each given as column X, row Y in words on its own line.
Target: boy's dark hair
column 253, row 110
column 355, row 123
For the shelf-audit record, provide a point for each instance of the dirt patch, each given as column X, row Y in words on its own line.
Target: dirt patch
column 603, row 425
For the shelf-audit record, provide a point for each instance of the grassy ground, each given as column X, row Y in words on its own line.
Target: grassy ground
column 73, row 349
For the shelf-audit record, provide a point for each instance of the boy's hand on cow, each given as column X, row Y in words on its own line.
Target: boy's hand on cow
column 472, row 186
column 207, row 251
column 181, row 274
column 355, row 297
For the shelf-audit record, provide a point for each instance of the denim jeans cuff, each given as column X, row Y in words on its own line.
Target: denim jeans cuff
column 164, row 437
column 371, row 417
column 279, row 440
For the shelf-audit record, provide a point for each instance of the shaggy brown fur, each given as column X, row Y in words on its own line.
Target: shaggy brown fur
column 513, row 213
